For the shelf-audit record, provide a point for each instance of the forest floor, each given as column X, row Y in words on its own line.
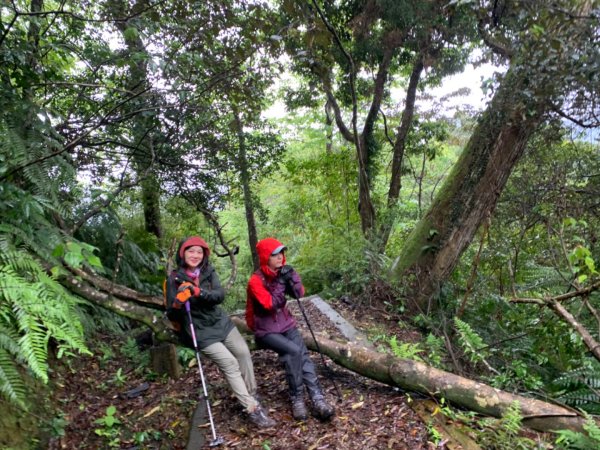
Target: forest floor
column 155, row 413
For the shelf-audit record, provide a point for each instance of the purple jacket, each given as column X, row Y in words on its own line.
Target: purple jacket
column 266, row 303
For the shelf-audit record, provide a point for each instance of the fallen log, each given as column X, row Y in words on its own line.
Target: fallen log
column 419, row 377
column 403, row 373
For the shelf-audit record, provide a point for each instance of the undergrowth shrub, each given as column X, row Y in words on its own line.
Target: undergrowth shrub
column 503, row 433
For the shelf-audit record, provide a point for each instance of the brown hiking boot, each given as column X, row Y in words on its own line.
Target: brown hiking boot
column 299, row 411
column 321, row 409
column 260, row 418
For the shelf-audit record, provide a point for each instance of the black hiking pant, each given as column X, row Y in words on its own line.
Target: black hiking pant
column 299, row 369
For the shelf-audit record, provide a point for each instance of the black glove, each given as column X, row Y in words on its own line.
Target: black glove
column 285, row 274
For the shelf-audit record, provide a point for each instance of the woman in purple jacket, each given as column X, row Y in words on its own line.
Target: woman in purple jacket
column 275, row 328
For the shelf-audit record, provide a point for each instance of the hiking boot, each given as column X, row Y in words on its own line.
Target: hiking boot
column 260, row 418
column 299, row 411
column 321, row 409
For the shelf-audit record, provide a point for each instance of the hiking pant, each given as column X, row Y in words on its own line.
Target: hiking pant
column 232, row 356
column 299, row 369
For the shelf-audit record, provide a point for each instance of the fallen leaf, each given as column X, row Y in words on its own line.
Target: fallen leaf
column 152, row 411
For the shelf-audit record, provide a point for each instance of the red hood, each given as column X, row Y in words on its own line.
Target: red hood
column 264, row 248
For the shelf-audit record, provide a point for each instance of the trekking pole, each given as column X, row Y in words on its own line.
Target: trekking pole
column 216, row 441
column 337, row 389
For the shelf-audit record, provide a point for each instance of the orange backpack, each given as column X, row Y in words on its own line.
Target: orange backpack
column 174, row 324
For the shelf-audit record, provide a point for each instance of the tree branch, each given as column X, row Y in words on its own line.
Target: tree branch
column 559, row 298
column 400, row 143
column 588, row 339
column 61, row 12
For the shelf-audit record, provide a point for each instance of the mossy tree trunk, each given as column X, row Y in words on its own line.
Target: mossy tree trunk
column 469, row 194
column 246, row 189
column 545, row 68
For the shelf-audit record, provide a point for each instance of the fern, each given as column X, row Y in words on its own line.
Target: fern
column 472, row 344
column 406, row 350
column 533, row 277
column 568, row 439
column 34, row 307
column 11, row 384
column 581, row 387
column 503, row 434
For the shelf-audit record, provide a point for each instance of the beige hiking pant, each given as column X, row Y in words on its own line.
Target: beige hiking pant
column 232, row 356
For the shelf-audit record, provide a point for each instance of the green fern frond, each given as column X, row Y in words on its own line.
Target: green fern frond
column 534, row 278
column 471, row 342
column 580, row 387
column 589, row 376
column 34, row 307
column 580, row 397
column 8, row 340
column 538, row 276
column 406, row 350
column 11, row 383
column 591, row 426
column 17, row 261
column 512, row 418
column 580, row 441
column 504, row 434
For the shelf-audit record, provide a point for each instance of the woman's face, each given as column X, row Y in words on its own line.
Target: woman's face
column 275, row 261
column 193, row 256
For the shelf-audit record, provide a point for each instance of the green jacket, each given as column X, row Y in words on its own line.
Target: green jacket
column 212, row 324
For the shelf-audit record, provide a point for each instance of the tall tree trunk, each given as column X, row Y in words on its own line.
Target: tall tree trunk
column 470, row 192
column 33, row 43
column 398, row 152
column 400, row 142
column 245, row 179
column 529, row 91
column 366, row 209
column 329, row 128
column 151, row 203
column 144, row 155
column 364, row 141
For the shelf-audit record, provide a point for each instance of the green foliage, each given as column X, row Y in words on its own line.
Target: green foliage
column 583, row 263
column 580, row 387
column 472, row 344
column 56, row 426
column 186, row 355
column 406, row 350
column 518, row 375
column 34, row 308
column 119, row 379
column 503, row 434
column 139, row 359
column 109, row 427
column 434, row 350
column 542, row 239
column 574, row 440
column 123, row 259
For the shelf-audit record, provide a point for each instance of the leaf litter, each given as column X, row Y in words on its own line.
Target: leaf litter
column 370, row 416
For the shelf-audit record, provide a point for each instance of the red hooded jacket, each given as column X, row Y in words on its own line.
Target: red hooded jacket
column 266, row 303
